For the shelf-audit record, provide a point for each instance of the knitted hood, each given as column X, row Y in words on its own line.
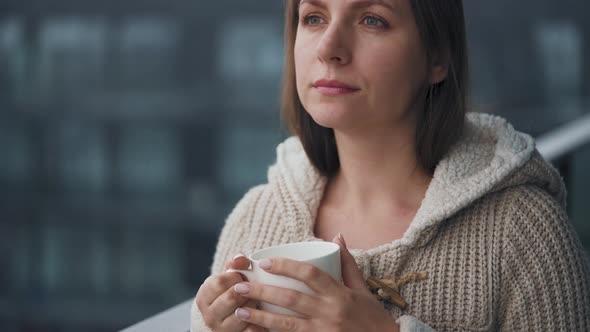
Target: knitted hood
column 491, row 156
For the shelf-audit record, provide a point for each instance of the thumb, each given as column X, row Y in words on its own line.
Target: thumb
column 351, row 274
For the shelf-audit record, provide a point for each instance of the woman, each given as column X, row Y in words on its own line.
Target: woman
column 457, row 214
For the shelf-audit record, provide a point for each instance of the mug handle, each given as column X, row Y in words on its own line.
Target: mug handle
column 249, row 274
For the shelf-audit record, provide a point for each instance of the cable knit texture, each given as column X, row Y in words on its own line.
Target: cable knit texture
column 491, row 234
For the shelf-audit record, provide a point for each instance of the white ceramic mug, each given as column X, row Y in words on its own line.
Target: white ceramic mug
column 324, row 255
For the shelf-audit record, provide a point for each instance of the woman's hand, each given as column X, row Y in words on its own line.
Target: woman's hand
column 217, row 300
column 334, row 307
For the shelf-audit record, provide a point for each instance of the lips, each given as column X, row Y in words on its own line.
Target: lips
column 334, row 87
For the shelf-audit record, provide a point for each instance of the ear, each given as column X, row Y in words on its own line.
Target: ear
column 439, row 69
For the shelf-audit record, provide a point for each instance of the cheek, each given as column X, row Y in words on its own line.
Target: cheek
column 302, row 66
column 399, row 71
column 297, row 58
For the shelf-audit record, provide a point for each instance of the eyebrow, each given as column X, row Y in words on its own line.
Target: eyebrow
column 355, row 4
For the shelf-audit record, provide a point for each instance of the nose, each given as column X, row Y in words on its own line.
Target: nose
column 333, row 46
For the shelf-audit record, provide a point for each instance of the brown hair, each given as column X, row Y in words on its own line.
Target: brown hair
column 439, row 125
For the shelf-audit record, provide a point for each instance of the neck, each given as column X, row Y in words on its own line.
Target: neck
column 378, row 172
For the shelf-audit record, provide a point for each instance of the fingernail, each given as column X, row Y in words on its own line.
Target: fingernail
column 336, row 238
column 341, row 238
column 242, row 288
column 242, row 313
column 265, row 264
column 238, row 256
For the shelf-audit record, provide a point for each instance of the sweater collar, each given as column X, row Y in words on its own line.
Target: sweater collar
column 490, row 156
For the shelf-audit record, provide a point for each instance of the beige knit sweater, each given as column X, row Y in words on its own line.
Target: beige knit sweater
column 491, row 234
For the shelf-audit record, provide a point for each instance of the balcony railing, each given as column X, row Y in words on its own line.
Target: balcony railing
column 175, row 319
column 554, row 146
column 565, row 140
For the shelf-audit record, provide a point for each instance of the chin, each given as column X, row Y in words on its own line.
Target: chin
column 331, row 116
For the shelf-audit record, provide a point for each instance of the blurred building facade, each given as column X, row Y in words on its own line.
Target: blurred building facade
column 129, row 129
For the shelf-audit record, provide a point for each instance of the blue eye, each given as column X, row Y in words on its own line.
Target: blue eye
column 373, row 21
column 313, row 20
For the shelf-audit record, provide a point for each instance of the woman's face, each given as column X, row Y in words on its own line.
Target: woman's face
column 359, row 64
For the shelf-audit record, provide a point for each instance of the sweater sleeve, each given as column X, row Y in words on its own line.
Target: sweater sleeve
column 236, row 228
column 544, row 273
